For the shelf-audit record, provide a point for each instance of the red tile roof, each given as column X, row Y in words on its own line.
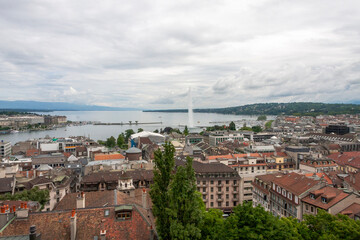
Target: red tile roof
column 351, row 210
column 332, row 194
column 229, row 156
column 295, row 183
column 241, row 155
column 113, row 156
column 89, row 223
column 320, row 175
column 347, row 158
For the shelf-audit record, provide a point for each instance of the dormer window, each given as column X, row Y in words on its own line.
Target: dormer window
column 278, row 189
column 312, row 196
column 289, row 196
column 323, row 200
column 284, row 192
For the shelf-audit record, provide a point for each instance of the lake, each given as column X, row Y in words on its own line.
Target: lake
column 96, row 132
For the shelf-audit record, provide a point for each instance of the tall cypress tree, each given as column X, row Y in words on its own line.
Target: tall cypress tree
column 186, row 205
column 163, row 173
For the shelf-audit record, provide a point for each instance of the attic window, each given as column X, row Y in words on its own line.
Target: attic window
column 278, row 189
column 323, row 200
column 126, row 215
column 312, row 196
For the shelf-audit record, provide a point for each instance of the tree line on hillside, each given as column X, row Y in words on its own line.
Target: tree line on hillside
column 180, row 212
column 295, row 108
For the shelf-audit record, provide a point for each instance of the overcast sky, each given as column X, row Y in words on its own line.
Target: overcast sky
column 147, row 54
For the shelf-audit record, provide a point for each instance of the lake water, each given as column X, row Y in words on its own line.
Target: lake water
column 96, row 132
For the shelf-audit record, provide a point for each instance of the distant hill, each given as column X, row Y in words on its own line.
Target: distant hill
column 55, row 106
column 296, row 108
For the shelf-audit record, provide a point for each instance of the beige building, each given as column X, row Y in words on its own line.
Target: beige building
column 218, row 184
column 5, row 149
column 330, row 199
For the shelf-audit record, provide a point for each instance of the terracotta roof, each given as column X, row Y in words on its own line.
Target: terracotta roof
column 113, row 156
column 32, row 205
column 32, row 152
column 332, row 194
column 295, row 183
column 351, row 210
column 89, row 223
column 320, row 175
column 241, row 155
column 347, row 158
column 353, row 180
column 281, row 154
column 229, row 156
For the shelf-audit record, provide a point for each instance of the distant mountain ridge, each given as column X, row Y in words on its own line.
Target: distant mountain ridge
column 295, row 108
column 55, row 106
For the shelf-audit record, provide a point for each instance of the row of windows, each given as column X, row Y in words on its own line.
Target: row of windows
column 218, row 182
column 219, row 189
column 285, row 193
column 227, row 204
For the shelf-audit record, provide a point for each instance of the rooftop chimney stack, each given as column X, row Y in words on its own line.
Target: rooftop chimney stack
column 73, row 225
column 103, row 235
column 144, row 200
column 32, row 234
column 80, row 200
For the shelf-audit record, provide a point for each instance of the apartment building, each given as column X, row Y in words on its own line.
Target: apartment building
column 215, row 139
column 218, row 184
column 328, row 198
column 5, row 149
column 287, row 192
column 317, row 165
column 248, row 167
column 279, row 162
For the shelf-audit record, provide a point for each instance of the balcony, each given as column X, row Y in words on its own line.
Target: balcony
column 219, row 185
column 235, row 184
column 219, row 192
column 204, row 193
column 220, row 200
column 235, row 192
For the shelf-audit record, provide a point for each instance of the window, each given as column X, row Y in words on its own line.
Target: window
column 198, row 182
column 284, row 192
column 227, row 196
column 307, row 207
column 289, row 196
column 235, row 189
column 123, row 215
column 227, row 189
column 227, row 181
column 219, row 182
column 204, row 182
column 312, row 209
column 211, row 196
column 204, row 189
column 219, row 204
column 107, row 212
column 296, row 200
column 212, row 181
column 211, row 189
column 219, row 189
column 227, row 204
column 235, row 203
column 274, row 186
column 323, row 200
column 211, row 204
column 235, row 195
column 278, row 189
column 235, row 181
column 312, row 196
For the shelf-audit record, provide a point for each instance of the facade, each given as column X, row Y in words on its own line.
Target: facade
column 218, row 184
column 317, row 165
column 5, row 149
column 330, row 199
column 337, row 129
column 287, row 191
column 215, row 139
column 261, row 190
column 279, row 162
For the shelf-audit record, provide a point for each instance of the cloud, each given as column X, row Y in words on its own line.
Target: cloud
column 147, row 54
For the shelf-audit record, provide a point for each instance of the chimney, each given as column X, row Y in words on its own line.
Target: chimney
column 32, row 234
column 73, row 225
column 23, row 212
column 144, row 200
column 80, row 200
column 103, row 235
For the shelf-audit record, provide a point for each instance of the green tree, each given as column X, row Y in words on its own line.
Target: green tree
column 156, row 131
column 159, row 193
column 256, row 129
column 120, row 140
column 268, row 124
column 327, row 226
column 232, row 126
column 35, row 194
column 213, row 225
column 186, row 206
column 140, row 130
column 186, row 131
column 128, row 133
column 261, row 118
column 110, row 142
